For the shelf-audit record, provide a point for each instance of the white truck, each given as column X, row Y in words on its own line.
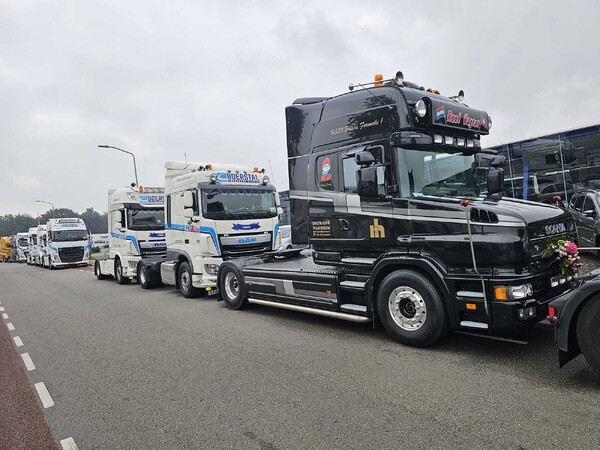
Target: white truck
column 22, row 248
column 136, row 228
column 213, row 212
column 41, row 244
column 34, row 249
column 67, row 243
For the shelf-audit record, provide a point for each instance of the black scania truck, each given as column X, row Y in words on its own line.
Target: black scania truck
column 403, row 214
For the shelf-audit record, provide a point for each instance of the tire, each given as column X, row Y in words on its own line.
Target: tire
column 97, row 271
column 184, row 275
column 144, row 278
column 50, row 265
column 231, row 287
column 411, row 309
column 119, row 273
column 588, row 332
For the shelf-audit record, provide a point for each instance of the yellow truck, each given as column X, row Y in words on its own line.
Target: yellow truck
column 5, row 248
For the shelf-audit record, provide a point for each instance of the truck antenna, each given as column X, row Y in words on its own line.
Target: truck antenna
column 185, row 156
column 271, row 171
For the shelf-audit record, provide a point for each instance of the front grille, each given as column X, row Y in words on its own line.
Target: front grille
column 246, row 249
column 71, row 254
column 153, row 251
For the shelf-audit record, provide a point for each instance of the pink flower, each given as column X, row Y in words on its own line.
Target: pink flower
column 571, row 248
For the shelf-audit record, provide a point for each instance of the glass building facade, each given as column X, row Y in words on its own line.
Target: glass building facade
column 557, row 164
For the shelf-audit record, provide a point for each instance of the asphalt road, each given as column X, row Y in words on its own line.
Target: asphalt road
column 134, row 369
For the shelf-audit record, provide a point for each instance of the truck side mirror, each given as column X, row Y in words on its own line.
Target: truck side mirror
column 364, row 158
column 366, row 182
column 188, row 200
column 188, row 213
column 495, row 181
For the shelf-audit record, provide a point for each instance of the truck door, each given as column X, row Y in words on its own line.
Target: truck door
column 365, row 224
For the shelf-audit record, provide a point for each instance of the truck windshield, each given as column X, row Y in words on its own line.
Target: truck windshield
column 429, row 173
column 146, row 219
column 22, row 242
column 238, row 203
column 69, row 235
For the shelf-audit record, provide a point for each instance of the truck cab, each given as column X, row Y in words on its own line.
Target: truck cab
column 213, row 212
column 34, row 250
column 22, row 247
column 404, row 214
column 66, row 243
column 42, row 242
column 136, row 229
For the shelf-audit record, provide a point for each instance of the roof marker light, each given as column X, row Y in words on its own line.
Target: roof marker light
column 265, row 180
column 470, row 143
column 460, row 142
column 437, row 139
column 461, row 95
column 213, row 177
column 448, row 140
column 399, row 79
column 255, row 170
column 378, row 80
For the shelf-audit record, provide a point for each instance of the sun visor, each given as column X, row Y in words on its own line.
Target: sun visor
column 450, row 114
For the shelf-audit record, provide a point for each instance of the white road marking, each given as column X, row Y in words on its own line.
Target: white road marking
column 28, row 362
column 18, row 341
column 10, row 326
column 2, row 308
column 4, row 316
column 68, row 444
column 42, row 391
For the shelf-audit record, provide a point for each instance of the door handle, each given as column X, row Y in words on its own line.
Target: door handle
column 345, row 225
column 187, row 241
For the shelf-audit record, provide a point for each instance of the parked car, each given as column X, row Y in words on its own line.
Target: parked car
column 585, row 208
column 550, row 190
column 286, row 237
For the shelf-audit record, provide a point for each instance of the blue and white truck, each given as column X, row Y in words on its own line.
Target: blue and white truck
column 136, row 229
column 65, row 243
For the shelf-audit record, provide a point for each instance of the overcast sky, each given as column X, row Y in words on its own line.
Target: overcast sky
column 212, row 79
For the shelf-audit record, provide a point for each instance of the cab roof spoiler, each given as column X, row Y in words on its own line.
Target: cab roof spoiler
column 309, row 100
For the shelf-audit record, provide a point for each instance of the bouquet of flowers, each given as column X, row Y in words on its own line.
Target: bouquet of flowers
column 567, row 255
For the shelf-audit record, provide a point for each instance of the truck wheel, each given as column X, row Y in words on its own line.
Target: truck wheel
column 230, row 286
column 411, row 310
column 144, row 278
column 185, row 281
column 98, row 272
column 119, row 273
column 50, row 265
column 588, row 332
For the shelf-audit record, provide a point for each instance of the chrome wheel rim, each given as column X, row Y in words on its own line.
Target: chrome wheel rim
column 232, row 286
column 185, row 280
column 407, row 308
column 142, row 275
column 119, row 271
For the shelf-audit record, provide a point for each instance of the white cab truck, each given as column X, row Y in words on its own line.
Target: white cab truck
column 67, row 243
column 136, row 229
column 22, row 248
column 41, row 237
column 213, row 212
column 34, row 249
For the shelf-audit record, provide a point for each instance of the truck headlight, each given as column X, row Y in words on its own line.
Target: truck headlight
column 132, row 264
column 505, row 293
column 211, row 269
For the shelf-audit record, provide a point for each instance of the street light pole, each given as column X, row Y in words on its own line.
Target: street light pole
column 125, row 151
column 49, row 203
